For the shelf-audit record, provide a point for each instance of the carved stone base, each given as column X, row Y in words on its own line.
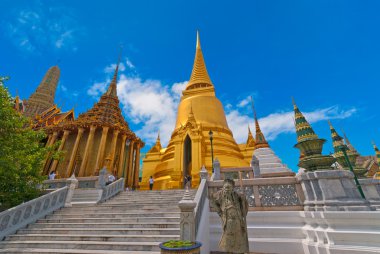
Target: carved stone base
column 332, row 190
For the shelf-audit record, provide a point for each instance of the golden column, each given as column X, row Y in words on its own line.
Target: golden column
column 74, row 152
column 102, row 145
column 64, row 138
column 137, row 166
column 121, row 157
column 130, row 163
column 113, row 149
column 87, row 150
column 51, row 140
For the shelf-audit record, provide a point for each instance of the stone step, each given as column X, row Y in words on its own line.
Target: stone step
column 108, row 225
column 140, row 203
column 93, row 245
column 75, row 214
column 71, row 251
column 99, row 238
column 102, row 231
column 127, row 199
column 110, row 220
column 79, row 199
column 126, row 208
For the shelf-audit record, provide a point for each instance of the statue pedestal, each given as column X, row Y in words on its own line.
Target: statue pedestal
column 331, row 190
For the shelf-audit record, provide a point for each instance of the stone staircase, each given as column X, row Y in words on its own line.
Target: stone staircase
column 131, row 222
column 86, row 196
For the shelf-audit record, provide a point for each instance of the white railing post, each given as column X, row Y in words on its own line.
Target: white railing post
column 216, row 165
column 187, row 223
column 255, row 167
column 203, row 173
column 72, row 183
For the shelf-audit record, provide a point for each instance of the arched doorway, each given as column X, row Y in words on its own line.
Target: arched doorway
column 186, row 159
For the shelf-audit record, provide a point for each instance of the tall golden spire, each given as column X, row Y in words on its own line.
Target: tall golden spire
column 112, row 91
column 199, row 75
column 260, row 140
column 43, row 97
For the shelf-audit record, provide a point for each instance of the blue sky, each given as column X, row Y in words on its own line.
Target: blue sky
column 325, row 54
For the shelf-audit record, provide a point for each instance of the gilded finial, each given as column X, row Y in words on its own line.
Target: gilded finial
column 294, row 103
column 112, row 88
column 198, row 45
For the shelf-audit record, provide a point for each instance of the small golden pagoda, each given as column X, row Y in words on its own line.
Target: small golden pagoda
column 199, row 111
column 95, row 135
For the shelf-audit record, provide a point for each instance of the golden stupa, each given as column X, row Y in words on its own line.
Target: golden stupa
column 199, row 111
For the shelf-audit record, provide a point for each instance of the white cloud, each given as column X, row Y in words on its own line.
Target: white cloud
column 278, row 123
column 150, row 103
column 177, row 88
column 98, row 89
column 40, row 28
column 62, row 87
column 244, row 102
column 129, row 64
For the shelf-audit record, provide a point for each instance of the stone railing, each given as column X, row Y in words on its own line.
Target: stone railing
column 199, row 199
column 267, row 194
column 83, row 183
column 18, row 217
column 112, row 189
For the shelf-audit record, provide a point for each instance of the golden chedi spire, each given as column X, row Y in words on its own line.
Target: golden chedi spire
column 199, row 75
column 260, row 140
column 189, row 148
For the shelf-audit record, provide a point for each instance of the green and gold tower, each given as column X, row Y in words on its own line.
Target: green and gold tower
column 310, row 145
column 352, row 154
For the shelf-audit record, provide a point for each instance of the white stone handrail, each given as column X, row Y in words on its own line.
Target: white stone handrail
column 199, row 199
column 83, row 182
column 267, row 194
column 18, row 217
column 112, row 189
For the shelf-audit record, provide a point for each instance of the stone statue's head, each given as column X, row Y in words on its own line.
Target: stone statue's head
column 228, row 186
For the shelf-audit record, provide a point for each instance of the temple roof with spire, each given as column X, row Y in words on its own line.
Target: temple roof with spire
column 199, row 75
column 106, row 112
column 303, row 129
column 157, row 146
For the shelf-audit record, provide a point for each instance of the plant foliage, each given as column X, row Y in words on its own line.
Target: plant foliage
column 21, row 155
column 178, row 244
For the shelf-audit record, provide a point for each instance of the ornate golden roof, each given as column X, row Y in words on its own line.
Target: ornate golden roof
column 157, row 147
column 199, row 75
column 106, row 112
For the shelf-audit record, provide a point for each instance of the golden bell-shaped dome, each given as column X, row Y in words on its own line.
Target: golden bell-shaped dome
column 189, row 148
